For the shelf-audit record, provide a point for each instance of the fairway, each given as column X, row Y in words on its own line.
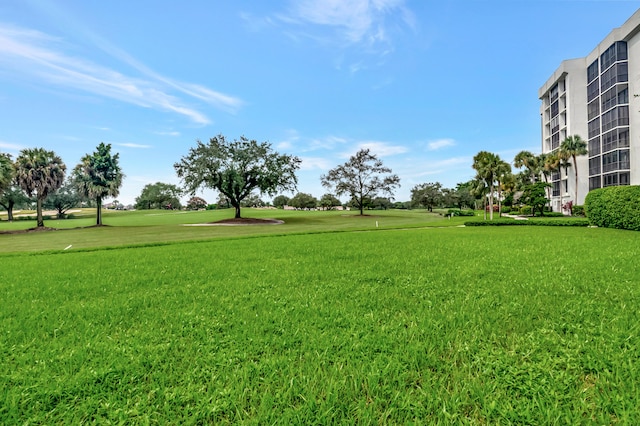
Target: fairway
column 526, row 325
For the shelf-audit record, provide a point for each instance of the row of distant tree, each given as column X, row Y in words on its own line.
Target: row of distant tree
column 242, row 169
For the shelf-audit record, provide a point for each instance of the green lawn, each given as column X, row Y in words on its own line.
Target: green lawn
column 161, row 226
column 525, row 325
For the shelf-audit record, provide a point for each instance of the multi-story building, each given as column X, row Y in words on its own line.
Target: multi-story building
column 598, row 98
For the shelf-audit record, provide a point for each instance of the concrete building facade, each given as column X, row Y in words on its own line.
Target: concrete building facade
column 598, row 98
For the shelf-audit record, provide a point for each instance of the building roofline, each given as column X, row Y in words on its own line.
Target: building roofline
column 623, row 33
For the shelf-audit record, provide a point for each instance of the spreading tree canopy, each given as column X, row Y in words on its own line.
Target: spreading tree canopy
column 39, row 172
column 98, row 176
column 237, row 168
column 361, row 178
column 427, row 195
column 159, row 195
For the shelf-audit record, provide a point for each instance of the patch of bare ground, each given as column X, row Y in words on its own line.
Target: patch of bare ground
column 240, row 222
column 24, row 231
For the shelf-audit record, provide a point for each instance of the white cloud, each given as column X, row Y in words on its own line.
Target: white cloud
column 38, row 55
column 315, row 163
column 133, row 145
column 11, row 146
column 440, row 143
column 382, row 149
column 356, row 22
column 172, row 133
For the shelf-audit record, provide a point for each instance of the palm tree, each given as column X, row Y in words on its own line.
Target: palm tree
column 503, row 173
column 98, row 176
column 530, row 162
column 573, row 146
column 489, row 166
column 6, row 172
column 39, row 172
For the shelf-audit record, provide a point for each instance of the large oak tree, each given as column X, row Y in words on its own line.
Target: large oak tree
column 362, row 178
column 236, row 168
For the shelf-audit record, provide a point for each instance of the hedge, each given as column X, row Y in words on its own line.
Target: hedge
column 614, row 207
column 529, row 222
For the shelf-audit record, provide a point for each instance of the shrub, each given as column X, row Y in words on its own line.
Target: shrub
column 506, row 209
column 530, row 222
column 614, row 207
column 578, row 211
column 211, row 206
column 456, row 212
column 553, row 214
column 526, row 210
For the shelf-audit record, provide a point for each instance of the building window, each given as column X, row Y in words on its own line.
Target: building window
column 593, row 109
column 618, row 116
column 556, row 189
column 554, row 109
column 553, row 93
column 594, row 128
column 610, row 180
column 592, row 71
column 594, row 166
column 594, row 146
column 555, row 141
column 594, row 183
column 614, row 96
column 593, row 90
column 616, row 74
column 624, row 179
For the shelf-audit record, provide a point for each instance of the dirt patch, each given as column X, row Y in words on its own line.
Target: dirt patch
column 240, row 222
column 24, row 231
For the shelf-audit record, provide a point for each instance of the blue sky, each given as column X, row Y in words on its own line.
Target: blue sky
column 424, row 84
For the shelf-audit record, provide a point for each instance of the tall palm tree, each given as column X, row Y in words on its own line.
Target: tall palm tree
column 503, row 173
column 573, row 146
column 488, row 166
column 530, row 162
column 98, row 176
column 39, row 172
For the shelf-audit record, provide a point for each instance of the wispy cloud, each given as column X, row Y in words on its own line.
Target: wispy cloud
column 382, row 149
column 133, row 145
column 170, row 133
column 362, row 23
column 32, row 53
column 10, row 146
column 439, row 144
column 315, row 163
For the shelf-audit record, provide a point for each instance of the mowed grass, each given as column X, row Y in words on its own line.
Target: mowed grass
column 523, row 325
column 161, row 226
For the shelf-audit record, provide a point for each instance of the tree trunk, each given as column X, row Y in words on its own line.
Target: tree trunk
column 40, row 221
column 99, row 211
column 237, row 211
column 575, row 168
column 10, row 211
column 491, row 202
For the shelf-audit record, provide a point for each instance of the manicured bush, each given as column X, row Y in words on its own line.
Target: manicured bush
column 506, row 209
column 530, row 222
column 457, row 212
column 525, row 210
column 614, row 207
column 211, row 206
column 553, row 214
